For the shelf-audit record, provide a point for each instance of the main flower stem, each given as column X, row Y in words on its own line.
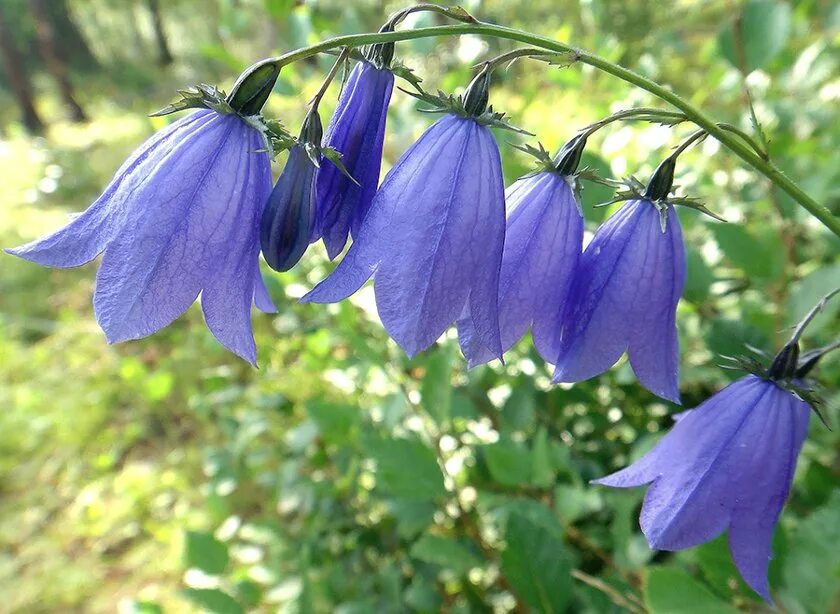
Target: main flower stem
column 728, row 139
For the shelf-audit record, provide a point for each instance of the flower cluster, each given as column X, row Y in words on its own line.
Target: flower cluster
column 445, row 244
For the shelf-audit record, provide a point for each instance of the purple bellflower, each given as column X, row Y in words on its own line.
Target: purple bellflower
column 179, row 219
column 729, row 463
column 432, row 239
column 288, row 222
column 625, row 292
column 357, row 130
column 543, row 243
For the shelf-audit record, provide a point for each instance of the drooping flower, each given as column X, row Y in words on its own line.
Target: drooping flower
column 432, row 239
column 288, row 222
column 542, row 246
column 728, row 464
column 357, row 130
column 179, row 219
column 624, row 298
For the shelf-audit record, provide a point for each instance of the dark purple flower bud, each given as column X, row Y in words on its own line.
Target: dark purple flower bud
column 181, row 217
column 728, row 464
column 357, row 131
column 289, row 217
column 542, row 247
column 624, row 298
column 432, row 239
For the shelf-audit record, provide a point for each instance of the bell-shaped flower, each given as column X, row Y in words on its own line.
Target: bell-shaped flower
column 433, row 239
column 726, row 465
column 624, row 298
column 542, row 246
column 357, row 131
column 179, row 219
column 289, row 217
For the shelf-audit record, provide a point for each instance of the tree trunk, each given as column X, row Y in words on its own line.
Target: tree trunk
column 18, row 79
column 69, row 40
column 164, row 55
column 54, row 62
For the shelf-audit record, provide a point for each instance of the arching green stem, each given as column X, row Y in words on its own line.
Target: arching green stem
column 728, row 139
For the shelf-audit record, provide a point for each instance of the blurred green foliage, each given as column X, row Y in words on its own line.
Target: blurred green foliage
column 166, row 475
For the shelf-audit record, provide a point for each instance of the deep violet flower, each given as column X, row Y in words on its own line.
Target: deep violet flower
column 542, row 245
column 432, row 239
column 179, row 218
column 728, row 464
column 357, row 130
column 289, row 217
column 624, row 298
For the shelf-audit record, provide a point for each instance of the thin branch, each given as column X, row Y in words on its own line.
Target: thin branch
column 729, row 140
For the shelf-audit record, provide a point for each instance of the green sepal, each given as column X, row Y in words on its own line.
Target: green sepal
column 806, row 390
column 404, row 72
column 201, row 96
column 633, row 189
column 448, row 103
column 334, row 156
column 277, row 138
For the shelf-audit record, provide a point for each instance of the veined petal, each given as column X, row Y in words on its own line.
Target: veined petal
column 435, row 259
column 762, row 482
column 542, row 247
column 599, row 315
column 155, row 266
column 357, row 130
column 262, row 298
column 376, row 234
column 290, row 213
column 89, row 233
column 230, row 287
column 483, row 238
column 654, row 344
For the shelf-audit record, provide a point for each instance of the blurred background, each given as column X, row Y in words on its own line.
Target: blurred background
column 166, row 475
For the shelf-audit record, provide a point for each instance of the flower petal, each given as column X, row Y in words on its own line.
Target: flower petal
column 376, row 234
column 89, row 233
column 654, row 344
column 229, row 289
column 155, row 266
column 357, row 130
column 599, row 316
column 761, row 484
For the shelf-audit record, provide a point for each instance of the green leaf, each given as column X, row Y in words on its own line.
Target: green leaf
column 764, row 29
column 509, row 462
column 335, row 421
column 143, row 607
column 536, row 565
column 407, row 468
column 422, row 595
column 445, row 552
column 542, row 468
column 205, row 552
column 758, row 256
column 594, row 193
column 412, row 516
column 213, row 600
column 718, row 569
column 811, row 573
column 520, row 408
column 436, row 387
column 699, row 276
column 669, row 590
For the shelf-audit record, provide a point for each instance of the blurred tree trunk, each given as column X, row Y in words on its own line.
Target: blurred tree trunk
column 55, row 64
column 69, row 40
column 164, row 55
column 18, row 79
